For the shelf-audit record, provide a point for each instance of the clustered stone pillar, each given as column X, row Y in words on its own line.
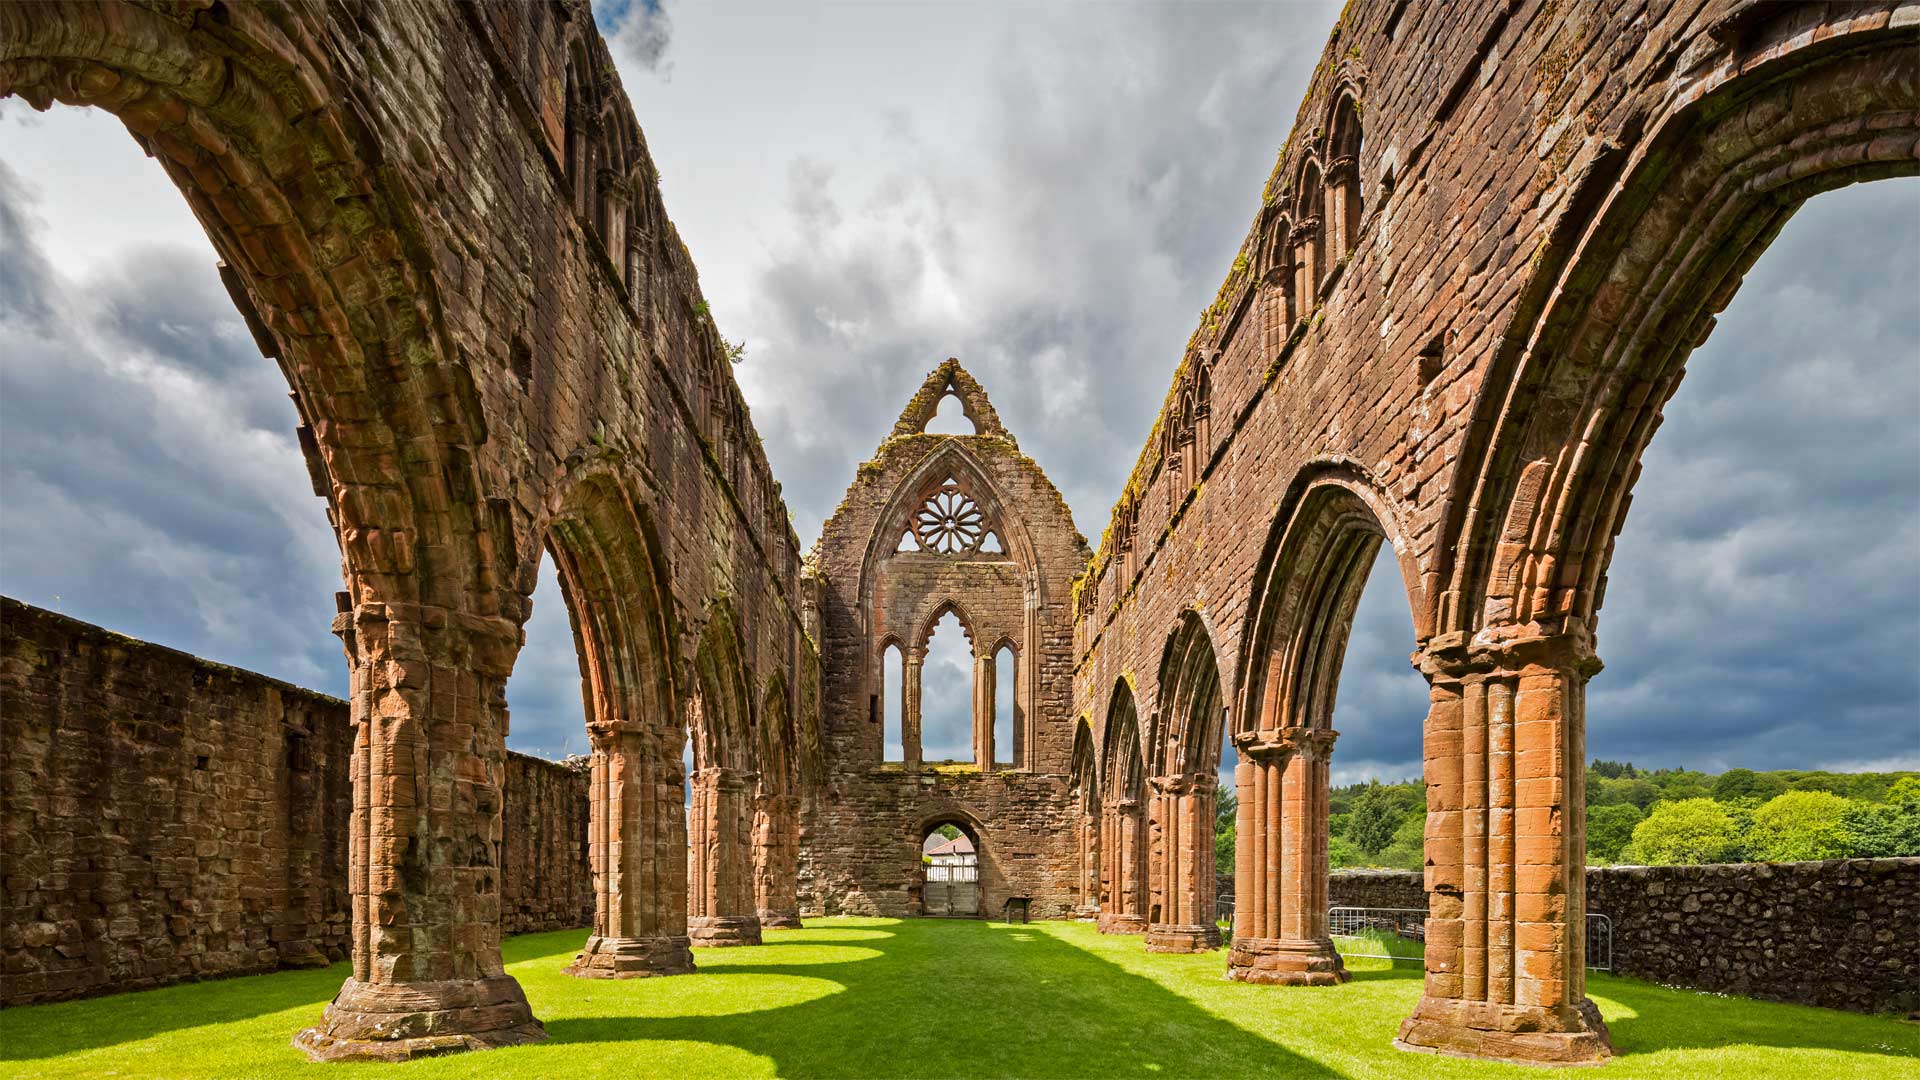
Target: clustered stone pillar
column 776, row 859
column 720, row 859
column 429, row 727
column 637, row 832
column 912, row 659
column 1506, row 825
column 1123, row 841
column 1087, row 825
column 1280, row 864
column 1181, row 818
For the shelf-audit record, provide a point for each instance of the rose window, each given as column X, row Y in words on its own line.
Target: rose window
column 950, row 522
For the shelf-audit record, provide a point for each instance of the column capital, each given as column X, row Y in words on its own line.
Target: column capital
column 1270, row 743
column 721, row 778
column 1567, row 646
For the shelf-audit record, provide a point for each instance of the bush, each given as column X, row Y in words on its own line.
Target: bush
column 1341, row 853
column 1890, row 830
column 1687, row 831
column 1609, row 828
column 1798, row 826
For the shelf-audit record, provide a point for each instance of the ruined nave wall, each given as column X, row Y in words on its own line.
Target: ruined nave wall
column 166, row 818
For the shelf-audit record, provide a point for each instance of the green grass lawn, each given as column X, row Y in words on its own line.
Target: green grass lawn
column 885, row 998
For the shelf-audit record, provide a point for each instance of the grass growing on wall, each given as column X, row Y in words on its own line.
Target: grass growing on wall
column 881, row 997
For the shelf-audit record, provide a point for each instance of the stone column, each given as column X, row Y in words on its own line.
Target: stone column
column 1122, row 846
column 1506, row 838
column 720, row 860
column 1183, row 865
column 983, row 706
column 910, row 706
column 637, row 830
column 776, row 859
column 1280, row 863
column 429, row 727
column 1087, row 825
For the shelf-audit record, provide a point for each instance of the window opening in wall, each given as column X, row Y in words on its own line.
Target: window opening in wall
column 991, row 545
column 951, row 418
column 950, row 522
column 893, row 695
column 907, row 542
column 946, row 694
column 1004, row 698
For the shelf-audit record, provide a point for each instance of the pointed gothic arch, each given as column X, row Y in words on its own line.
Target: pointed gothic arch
column 1123, row 836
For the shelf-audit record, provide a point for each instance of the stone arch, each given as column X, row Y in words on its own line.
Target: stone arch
column 1185, row 759
column 969, row 823
column 1648, row 248
column 1646, row 256
column 776, row 820
column 335, row 290
column 1277, row 295
column 1345, row 203
column 1123, row 839
column 1309, row 233
column 1084, row 781
column 725, row 771
column 1318, row 554
column 615, row 586
column 951, row 380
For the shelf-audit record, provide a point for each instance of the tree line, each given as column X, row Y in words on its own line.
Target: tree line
column 1653, row 817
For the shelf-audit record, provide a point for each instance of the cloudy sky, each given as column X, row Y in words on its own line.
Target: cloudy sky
column 1051, row 195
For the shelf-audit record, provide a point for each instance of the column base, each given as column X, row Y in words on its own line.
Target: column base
column 1529, row 1034
column 1182, row 938
column 1276, row 962
column 632, row 958
column 399, row 1021
column 1084, row 914
column 779, row 920
column 720, row 931
column 1122, row 924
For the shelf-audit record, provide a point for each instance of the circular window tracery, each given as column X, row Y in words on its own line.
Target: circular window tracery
column 950, row 522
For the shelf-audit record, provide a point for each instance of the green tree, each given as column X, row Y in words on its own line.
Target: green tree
column 1341, row 853
column 1374, row 818
column 1609, row 828
column 1407, row 851
column 1747, row 784
column 1687, row 831
column 948, row 831
column 1800, row 825
column 1226, row 810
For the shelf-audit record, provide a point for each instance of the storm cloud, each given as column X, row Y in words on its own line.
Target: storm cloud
column 1052, row 196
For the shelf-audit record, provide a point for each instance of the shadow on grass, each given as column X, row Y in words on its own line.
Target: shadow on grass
column 1665, row 1018
column 1649, row 1018
column 42, row 1031
column 951, row 998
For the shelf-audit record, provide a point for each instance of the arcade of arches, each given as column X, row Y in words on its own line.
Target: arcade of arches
column 1470, row 285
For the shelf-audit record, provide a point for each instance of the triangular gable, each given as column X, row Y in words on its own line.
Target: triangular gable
column 950, row 378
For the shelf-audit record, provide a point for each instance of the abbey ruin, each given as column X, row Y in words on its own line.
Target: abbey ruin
column 1466, row 291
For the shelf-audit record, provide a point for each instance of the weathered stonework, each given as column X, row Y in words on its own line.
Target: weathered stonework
column 1470, row 286
column 860, row 849
column 165, row 818
column 1475, row 274
column 441, row 220
column 1832, row 934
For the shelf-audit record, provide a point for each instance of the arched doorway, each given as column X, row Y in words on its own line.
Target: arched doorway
column 950, row 885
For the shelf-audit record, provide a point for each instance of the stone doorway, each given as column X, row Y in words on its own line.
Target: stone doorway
column 950, row 873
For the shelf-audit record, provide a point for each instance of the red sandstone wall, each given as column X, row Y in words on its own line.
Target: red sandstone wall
column 860, row 838
column 167, row 818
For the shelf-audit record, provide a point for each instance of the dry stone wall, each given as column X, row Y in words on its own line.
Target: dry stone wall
column 167, row 818
column 1838, row 934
